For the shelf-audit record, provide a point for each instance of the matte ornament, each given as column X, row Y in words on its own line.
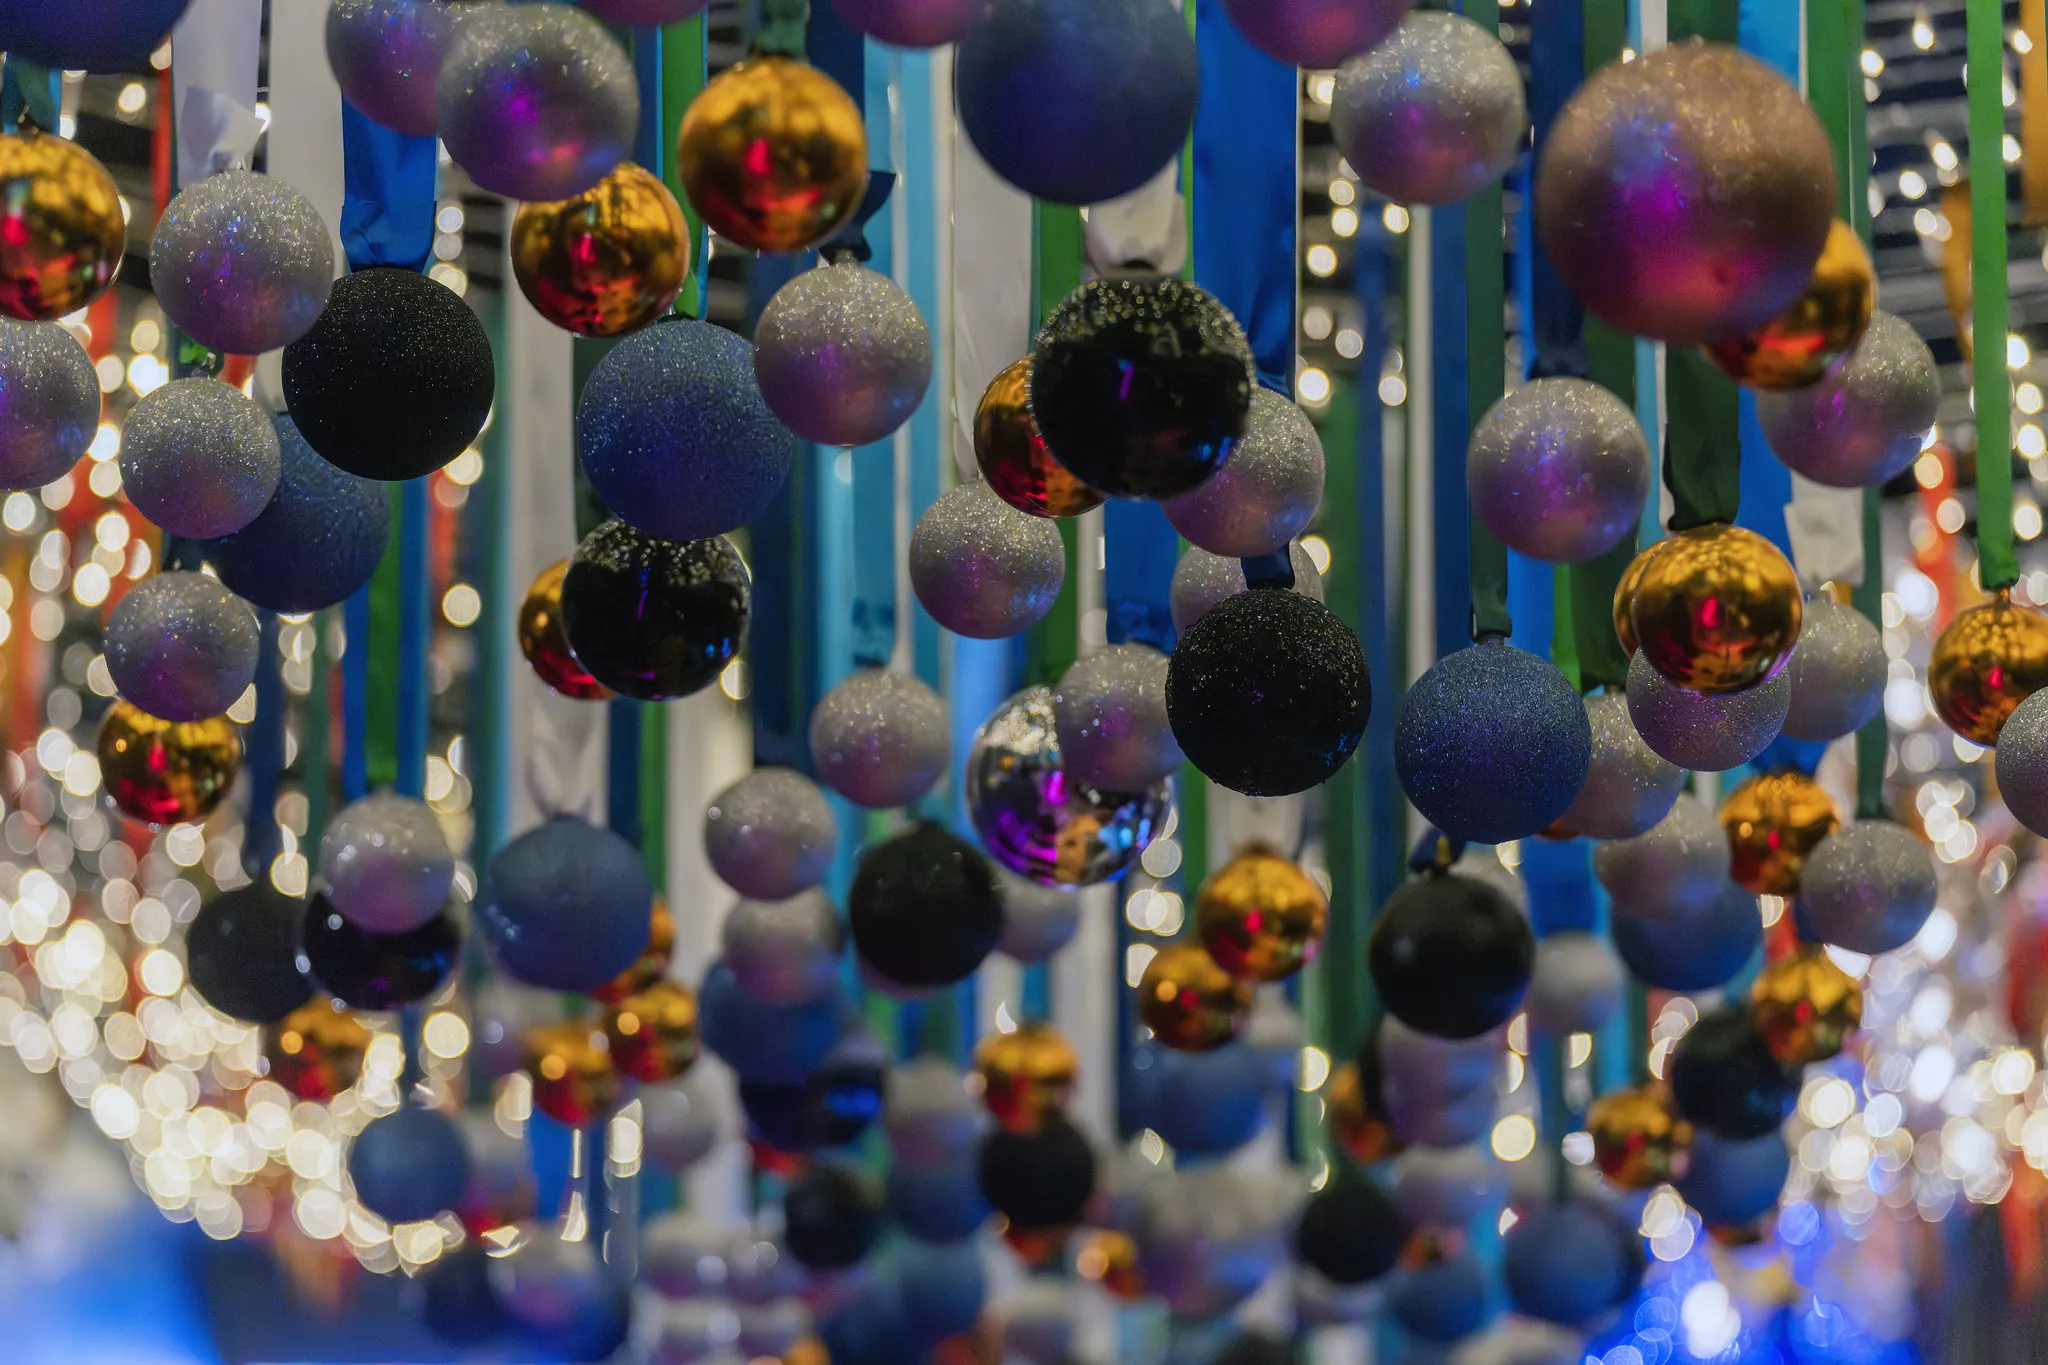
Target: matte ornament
column 680, row 1125
column 1869, row 887
column 49, row 403
column 91, row 35
column 199, row 459
column 1189, row 1002
column 1451, row 956
column 653, row 1033
column 386, row 863
column 1433, row 114
column 1992, row 657
column 842, row 354
column 773, row 154
column 386, row 55
column 1865, row 424
column 1806, row 1006
column 241, row 953
column 1774, row 822
column 1038, row 920
column 832, row 1216
column 1040, row 1180
column 1639, row 1140
column 1625, row 595
column 1350, row 1232
column 767, row 1044
column 1201, row 581
column 1801, row 345
column 1208, row 1236
column 652, row 964
column 1265, row 495
column 923, row 908
column 317, row 540
column 1558, row 471
column 1690, row 948
column 1013, row 457
column 1725, row 1080
column 1568, row 1262
column 164, row 772
column 771, row 834
column 566, row 906
column 914, row 23
column 1315, row 33
column 559, row 1288
column 1577, row 984
column 544, row 640
column 1629, row 787
column 1735, row 1182
column 409, row 1165
column 1718, row 610
column 316, row 1052
column 61, row 229
column 607, row 261
column 982, row 568
column 181, row 646
column 880, row 739
column 784, row 952
column 1839, row 669
column 574, row 1079
column 652, row 618
column 370, row 971
column 1703, row 733
column 1202, row 1104
column 241, row 262
column 1026, row 1076
column 1261, row 917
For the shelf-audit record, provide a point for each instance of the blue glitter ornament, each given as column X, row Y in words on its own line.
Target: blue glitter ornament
column 941, row 1203
column 1565, row 1263
column 768, row 1044
column 409, row 1165
column 942, row 1291
column 1443, row 1302
column 567, row 906
column 1694, row 949
column 1735, row 1180
column 88, row 35
column 317, row 541
column 1202, row 1104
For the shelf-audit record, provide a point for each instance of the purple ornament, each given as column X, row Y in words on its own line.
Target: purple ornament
column 842, row 355
column 386, row 54
column 645, row 13
column 1558, row 470
column 1315, row 33
column 49, row 403
column 181, row 646
column 915, row 23
column 242, row 263
column 1433, row 114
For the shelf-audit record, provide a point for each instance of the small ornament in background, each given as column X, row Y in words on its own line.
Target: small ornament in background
column 181, row 646
column 832, row 1216
column 773, row 154
column 784, row 952
column 1038, row 920
column 544, row 642
column 914, row 23
column 1558, row 471
column 241, row 953
column 1318, row 34
column 1678, row 864
column 1629, row 787
column 1261, row 916
column 1869, row 887
column 680, row 1124
column 62, row 232
column 1357, row 1113
column 1733, row 1182
column 653, row 618
column 879, row 739
column 163, row 772
column 1110, row 712
column 1992, row 657
column 1576, row 986
column 370, row 971
column 1838, row 671
column 842, row 354
column 386, row 864
column 566, row 906
column 1350, row 1232
column 1040, row 1181
column 1013, row 457
column 316, row 1052
column 1725, row 1079
column 1189, row 1002
column 574, row 1080
column 653, row 1033
column 1639, row 1140
column 241, row 263
column 2022, row 762
column 1433, row 114
column 771, row 834
column 1718, row 610
column 317, row 540
column 1690, row 947
column 1570, row 1262
column 1774, row 822
column 607, row 261
column 923, row 908
column 1708, row 734
column 1802, row 345
column 409, row 1165
column 386, row 56
column 982, row 568
column 49, row 403
column 1865, row 424
column 1451, row 955
column 1806, row 1006
column 1264, row 496
column 199, row 459
column 1026, row 1076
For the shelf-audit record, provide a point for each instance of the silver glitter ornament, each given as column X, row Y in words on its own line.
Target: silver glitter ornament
column 1439, row 1092
column 1038, row 921
column 199, row 459
column 1838, row 673
column 1208, row 1236
column 1865, row 423
column 1705, row 734
column 982, row 568
column 1315, row 33
column 1558, row 470
column 1674, row 869
column 771, row 834
column 928, row 1114
column 914, row 23
column 879, row 739
column 1869, row 887
column 242, row 263
column 386, row 863
column 1433, row 113
column 49, row 403
column 386, row 55
column 181, row 646
column 842, row 355
column 1110, row 710
column 784, row 952
column 1445, row 1187
column 679, row 1124
column 2021, row 760
column 1628, row 786
column 1577, row 984
column 1201, row 580
column 1265, row 495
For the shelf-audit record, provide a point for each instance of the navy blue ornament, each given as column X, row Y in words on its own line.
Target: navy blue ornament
column 871, row 1329
column 1451, row 955
column 409, row 1165
column 1724, row 1078
column 940, row 1203
column 942, row 1290
column 768, row 1044
column 461, row 1306
column 1691, row 949
column 836, row 1103
column 241, row 953
column 653, row 618
column 1568, row 1262
column 1202, row 1103
column 923, row 908
column 366, row 971
column 1443, row 1302
column 832, row 1216
column 567, row 906
column 89, row 35
column 1735, row 1181
column 317, row 541
column 1038, row 1180
column 1350, row 1232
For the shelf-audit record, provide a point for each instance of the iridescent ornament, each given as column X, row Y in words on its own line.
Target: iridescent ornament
column 1625, row 594
column 1703, row 733
column 1718, row 610
column 241, row 954
column 653, row 1033
column 574, row 1079
column 164, row 772
column 315, row 542
column 1774, row 822
column 49, row 403
column 773, row 154
column 1992, row 657
column 679, row 1124
column 771, row 834
column 832, row 1216
column 1012, row 455
column 386, row 55
column 652, row 964
column 1189, row 1002
column 409, row 1165
column 1026, row 1076
column 62, row 232
column 1350, row 1232
column 1316, row 33
column 923, row 907
column 1261, row 917
column 1038, row 920
column 1869, row 888
column 316, row 1051
column 1725, row 1080
column 1558, row 470
column 1801, row 345
column 880, row 739
column 842, row 355
column 1806, row 1006
column 982, row 568
column 1434, row 113
column 653, row 618
column 1451, row 956
column 1838, row 672
column 1690, row 947
column 767, row 1044
column 1356, row 1114
column 1208, row 1236
column 372, row 971
column 1866, row 423
column 784, row 952
column 90, row 35
column 1265, row 495
column 241, row 262
column 1639, row 1140
column 607, row 261
column 386, row 864
column 1576, row 986
column 1568, row 1262
column 545, row 643
column 566, row 905
column 1732, row 1182
column 199, row 459
column 1628, row 786
column 181, row 646
column 1040, row 1180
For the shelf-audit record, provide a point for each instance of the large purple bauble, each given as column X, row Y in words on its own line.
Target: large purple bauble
column 915, row 23
column 49, row 403
column 183, row 648
column 386, row 55
column 842, row 355
column 1433, row 114
column 1558, row 470
column 1315, row 33
column 242, row 262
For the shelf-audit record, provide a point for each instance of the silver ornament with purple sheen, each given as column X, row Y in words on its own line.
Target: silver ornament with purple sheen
column 771, row 834
column 880, row 739
column 645, row 13
column 536, row 101
column 842, row 355
column 1434, row 113
column 1038, row 921
column 49, row 403
column 1201, row 580
column 1865, row 423
column 2021, row 762
column 982, row 568
column 501, row 1014
column 784, row 952
column 1443, row 1187
column 386, row 55
column 386, row 863
column 683, row 1255
column 181, row 646
column 199, row 459
column 1315, row 33
column 1576, row 987
column 1628, row 786
column 1676, row 869
column 679, row 1124
column 1869, row 887
column 1838, row 673
column 1110, row 712
column 1705, row 734
column 1558, row 470
column 914, row 23
column 242, row 263
column 1208, row 1236
column 1439, row 1092
column 929, row 1115
column 1265, row 495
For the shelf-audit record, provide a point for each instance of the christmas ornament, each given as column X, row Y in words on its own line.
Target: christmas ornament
column 1866, row 423
column 647, row 14
column 574, row 1079
column 1012, row 455
column 61, row 228
column 317, row 540
column 1202, row 580
column 371, row 971
column 1026, row 1076
column 396, row 378
column 501, row 1014
column 181, row 647
column 1438, row 1092
column 842, row 355
column 1806, row 1007
column 1038, row 920
column 94, row 35
column 914, row 23
column 1202, row 1104
column 1189, row 1002
column 1434, row 113
column 767, row 1044
column 880, row 739
column 1558, row 470
column 942, row 1291
column 923, row 907
column 241, row 262
column 1639, row 1140
column 1708, row 734
column 774, row 155
column 653, row 1033
column 1208, row 1236
column 1356, row 1113
column 1838, row 673
column 545, row 643
column 1801, row 345
column 1261, row 917
column 930, row 1118
column 832, row 1108
column 1685, row 197
column 771, row 834
column 385, row 863
column 2022, row 762
column 1266, row 494
column 939, row 1203
column 654, row 618
column 386, row 55
column 682, row 1255
column 162, row 772
column 1690, row 947
column 409, row 1165
column 1443, row 1187
column 783, row 952
column 607, row 261
column 199, row 459
column 457, row 1301
column 1628, row 787
column 1774, row 821
column 241, row 953
column 1992, row 657
column 316, row 1051
column 679, row 1125
column 1718, row 610
column 652, row 964
column 566, row 906
column 1576, row 986
column 982, row 568
column 49, row 403
column 1869, row 888
column 1038, row 1180
column 1725, row 1080
column 832, row 1216
column 1625, row 595
column 1316, row 33
column 1734, row 1181
column 1450, row 955
column 1349, row 1232
column 1569, row 1261
column 556, row 1283
column 501, row 1190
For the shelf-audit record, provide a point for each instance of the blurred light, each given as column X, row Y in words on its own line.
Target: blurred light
column 733, row 680
column 445, row 1034
column 466, row 468
column 1709, row 1315
column 2031, row 443
column 1344, row 222
column 1343, row 192
column 110, row 371
column 1312, row 1068
column 462, row 604
column 1317, row 322
column 1912, row 184
column 2017, row 352
column 2021, row 43
column 1395, row 217
column 1350, row 344
column 2026, row 520
column 2011, row 1070
column 1873, row 67
column 147, row 374
column 1321, row 260
column 1137, row 958
column 451, row 276
column 1578, row 1048
column 1514, row 1137
column 1943, row 154
column 1923, row 33
column 160, row 972
column 111, row 530
column 1393, row 390
column 145, row 335
column 1322, row 87
column 2012, row 147
column 1314, row 386
column 1828, row 1102
column 91, row 585
column 1318, row 551
column 244, row 709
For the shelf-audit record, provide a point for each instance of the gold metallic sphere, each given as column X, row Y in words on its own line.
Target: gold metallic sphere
column 1806, row 1007
column 652, row 964
column 1625, row 595
column 774, row 155
column 1799, row 346
column 1261, row 917
column 1774, row 822
column 545, row 643
column 1718, row 609
column 1356, row 1117
column 317, row 1051
column 164, row 772
column 607, row 262
column 574, row 1079
column 1189, row 1002
column 1991, row 658
column 1013, row 457
column 1639, row 1140
column 1110, row 1259
column 1026, row 1076
column 61, row 230
column 654, row 1033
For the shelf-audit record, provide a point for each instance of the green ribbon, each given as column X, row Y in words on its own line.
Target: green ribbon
column 1997, row 562
column 783, row 23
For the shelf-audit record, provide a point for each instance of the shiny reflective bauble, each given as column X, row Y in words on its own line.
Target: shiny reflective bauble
column 1451, row 956
column 1694, row 947
column 1265, row 495
column 1733, row 1182
column 386, row 55
column 1038, row 920
column 1625, row 595
column 1869, row 887
column 654, row 1033
column 1356, row 1114
column 832, row 1216
column 1315, row 33
column 653, row 618
column 1026, row 1076
column 1703, row 733
column 842, row 354
column 1639, row 1140
column 771, row 834
column 1013, row 457
column 1350, row 1232
column 1189, row 1002
column 1838, row 672
column 1725, row 1080
column 163, row 772
column 316, row 541
column 1992, row 657
column 1261, row 917
column 773, row 154
column 241, row 262
column 199, row 459
column 983, row 569
column 181, row 646
column 1434, row 113
column 2022, row 762
column 784, row 952
column 49, row 403
column 241, row 954
column 316, row 1051
column 566, row 905
column 1718, row 609
column 1202, row 580
column 1774, row 822
column 1038, row 1180
column 409, row 1165
column 607, row 261
column 1806, row 1007
column 544, row 642
column 61, row 229
column 91, row 35
column 1110, row 1259
column 1802, row 344
column 923, row 907
column 1570, row 1261
column 1577, row 984
column 1628, row 786
column 386, row 864
column 371, row 971
column 574, row 1078
column 1866, row 423
column 880, row 739
column 1558, row 470
column 1685, row 197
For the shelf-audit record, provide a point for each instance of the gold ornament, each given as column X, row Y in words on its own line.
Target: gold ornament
column 1774, row 822
column 545, row 643
column 164, row 772
column 1026, row 1076
column 61, row 230
column 1037, row 1248
column 654, row 1032
column 1356, row 1117
column 652, row 965
column 317, row 1052
column 1189, row 1002
column 1110, row 1259
column 809, row 1351
column 1639, row 1140
column 1013, row 457
column 1718, row 609
column 1806, row 1006
column 1625, row 595
column 1261, row 917
column 607, row 262
column 574, row 1080
column 1991, row 658
column 1801, row 344
column 774, row 155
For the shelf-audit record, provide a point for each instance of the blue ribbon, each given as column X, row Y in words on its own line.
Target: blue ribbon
column 1451, row 408
column 388, row 194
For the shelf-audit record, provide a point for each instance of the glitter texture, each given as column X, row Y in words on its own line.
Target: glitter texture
column 1432, row 114
column 880, row 740
column 2022, row 762
column 1265, row 496
column 1576, row 987
column 181, row 646
column 566, row 906
column 923, row 907
column 1869, row 888
column 1038, row 920
column 386, row 863
column 1202, row 580
column 242, row 263
column 1725, row 1079
column 783, row 952
column 982, row 568
column 386, row 55
column 653, row 618
column 1558, row 470
column 49, row 403
column 1838, row 673
column 1678, row 867
column 1696, row 949
column 1110, row 708
column 1318, row 34
column 914, row 23
column 317, row 541
column 842, row 355
column 1628, row 787
column 199, row 459
column 771, row 834
column 1703, row 733
column 1864, row 425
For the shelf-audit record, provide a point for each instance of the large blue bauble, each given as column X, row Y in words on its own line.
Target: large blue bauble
column 1443, row 1302
column 567, row 906
column 1565, row 1263
column 1695, row 950
column 317, row 541
column 1078, row 101
column 1202, row 1103
column 462, row 1307
column 768, row 1044
column 88, row 35
column 1492, row 744
column 871, row 1329
column 939, row 1203
column 1735, row 1180
column 409, row 1165
column 942, row 1290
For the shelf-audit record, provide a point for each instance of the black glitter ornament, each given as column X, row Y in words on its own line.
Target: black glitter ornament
column 1724, row 1078
column 1350, row 1231
column 241, row 954
column 653, row 618
column 366, row 971
column 1268, row 693
column 1451, row 956
column 832, row 1216
column 1140, row 387
column 923, row 909
column 1038, row 1180
column 394, row 380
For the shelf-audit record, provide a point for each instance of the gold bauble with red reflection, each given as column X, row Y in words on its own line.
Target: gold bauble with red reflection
column 545, row 643
column 1805, row 1006
column 654, row 1033
column 607, row 262
column 317, row 1051
column 1640, row 1140
column 1774, row 822
column 1110, row 1259
column 574, row 1079
column 1026, row 1076
column 164, row 772
column 652, row 964
column 61, row 230
column 774, row 155
column 1356, row 1116
column 1261, row 917
column 1189, row 1002
column 1037, row 1248
column 1991, row 658
column 1625, row 595
column 1013, row 456
column 1798, row 347
column 1717, row 609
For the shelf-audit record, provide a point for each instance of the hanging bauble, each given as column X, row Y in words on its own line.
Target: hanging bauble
column 1202, row 580
column 2022, row 762
column 386, row 55
column 923, row 907
column 1140, row 386
column 914, row 23
column 1806, row 1006
column 982, row 568
column 832, row 1108
column 767, row 1044
column 574, row 1079
column 1869, row 888
column 652, row 964
column 396, row 378
column 386, row 864
column 1628, row 787
column 241, row 263
column 1703, row 733
column 1261, row 917
column 1189, row 1002
column 316, row 1051
column 842, row 355
column 1866, row 423
column 317, row 540
column 1209, row 1236
column 1838, row 673
column 409, row 1165
column 783, row 952
column 832, row 1216
column 1798, row 347
column 1451, row 955
column 1202, row 1104
column 771, row 834
column 1038, row 920
column 1774, row 822
column 1576, row 986
column 1440, row 1187
column 371, row 971
column 1110, row 1260
column 1718, row 610
column 774, row 155
column 683, row 1255
column 1558, row 470
column 1492, row 743
column 1268, row 693
column 1039, row 1180
column 1038, row 83
column 1013, row 457
column 457, row 1302
column 1640, row 1141
column 1685, row 197
column 241, row 953
column 607, row 261
column 653, row 618
column 163, row 772
column 679, row 1124
column 1691, row 947
column 1439, row 1092
column 1725, row 1080
column 645, row 13
column 501, row 1014
column 1433, row 114
column 566, row 906
column 199, row 459
column 501, row 1190
column 1026, row 1076
column 181, row 646
column 1731, row 1181
column 654, row 1033
column 1992, row 657
column 1625, row 594
column 61, row 228
column 942, row 1291
column 559, row 1287
column 880, row 739
column 1316, row 33
column 930, row 1117
column 545, row 642
column 1356, row 1113
column 1350, row 1232
column 1568, row 1262
column 94, row 35
column 1265, row 495
column 49, row 403
column 1445, row 1299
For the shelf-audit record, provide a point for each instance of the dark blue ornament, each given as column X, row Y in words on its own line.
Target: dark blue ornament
column 316, row 543
column 462, row 1308
column 1038, row 1180
column 653, row 618
column 1451, row 955
column 89, row 35
column 595, row 1331
column 1566, row 1263
column 832, row 1215
column 938, row 1204
column 1350, row 1232
column 241, row 953
column 833, row 1106
column 409, row 1165
column 567, row 906
column 1444, row 1302
column 870, row 1330
column 366, row 971
column 1693, row 951
column 1202, row 1103
column 942, row 1290
column 1735, row 1181
column 1724, row 1078
column 770, row 1045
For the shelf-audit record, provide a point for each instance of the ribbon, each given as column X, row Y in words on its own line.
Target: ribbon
column 29, row 93
column 1998, row 564
column 388, row 198
column 216, row 48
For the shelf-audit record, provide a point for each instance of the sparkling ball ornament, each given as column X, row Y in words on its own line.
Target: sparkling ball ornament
column 386, row 55
column 1013, row 457
column 241, row 954
column 369, row 971
column 1141, row 387
column 1040, row 82
column 1356, row 1112
column 1992, row 657
column 880, row 739
column 982, row 568
column 1718, row 610
column 783, row 952
column 1577, row 984
column 767, row 1044
column 832, row 1216
column 1774, row 822
column 61, row 229
column 1492, row 744
column 653, row 618
column 163, row 772
column 607, row 261
column 1451, row 956
column 1690, row 948
column 1869, row 888
column 645, row 13
column 1261, row 917
column 181, row 646
column 49, row 403
column 1725, row 1080
column 1202, row 580
column 1866, row 423
column 654, row 1033
column 2022, row 762
column 1208, row 1236
column 774, row 155
column 199, row 459
column 1801, row 345
column 1038, row 1180
column 1567, row 1262
column 1806, row 1007
column 314, row 543
column 1447, row 1186
column 679, row 1125
column 386, row 864
column 1838, row 673
column 1026, row 1076
column 316, row 1051
column 566, row 905
column 396, row 378
column 96, row 35
column 923, row 907
column 241, row 262
column 1434, row 113
column 409, row 1165
column 1628, row 786
column 1625, row 595
column 1733, row 1181
column 652, row 964
column 771, row 834
column 1268, row 693
column 574, row 1078
column 1038, row 920
column 1707, row 734
column 1558, row 470
column 1265, row 495
column 1350, row 1232
column 939, row 1203
column 1640, row 1141
column 842, row 355
column 545, row 642
column 1686, row 197
column 1316, row 33
column 1189, row 1002
column 915, row 23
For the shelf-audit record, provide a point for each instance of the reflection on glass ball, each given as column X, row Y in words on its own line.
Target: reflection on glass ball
column 1991, row 658
column 374, row 971
column 1189, row 1002
column 1802, row 344
column 1026, row 1075
column 1639, row 1140
column 1012, row 455
column 773, row 154
column 607, row 261
column 62, row 232
column 654, row 1033
column 1261, row 916
column 546, row 644
column 317, row 1051
column 1806, row 1006
column 1774, row 822
column 1718, row 610
column 163, row 772
column 574, row 1080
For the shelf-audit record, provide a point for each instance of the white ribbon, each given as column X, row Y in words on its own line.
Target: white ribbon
column 215, row 56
